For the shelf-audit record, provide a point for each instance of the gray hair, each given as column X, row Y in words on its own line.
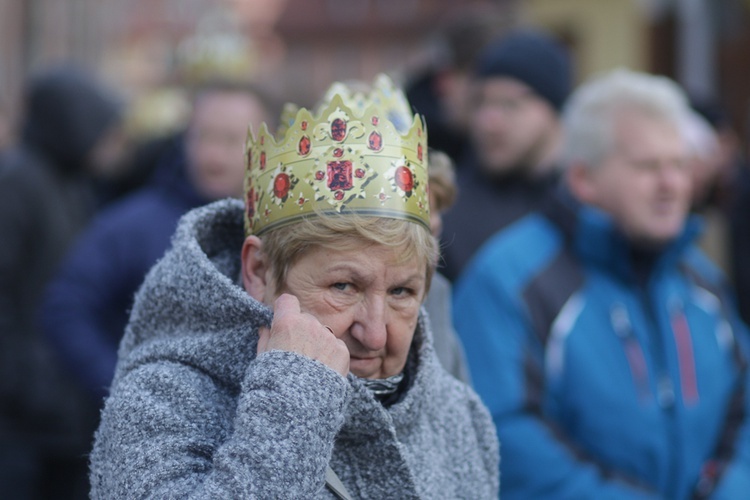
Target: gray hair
column 590, row 113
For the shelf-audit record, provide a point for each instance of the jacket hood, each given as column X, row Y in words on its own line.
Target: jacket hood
column 66, row 113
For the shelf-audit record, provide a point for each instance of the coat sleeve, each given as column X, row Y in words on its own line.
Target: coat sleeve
column 499, row 342
column 171, row 431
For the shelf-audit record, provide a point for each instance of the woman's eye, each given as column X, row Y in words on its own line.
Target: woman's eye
column 341, row 286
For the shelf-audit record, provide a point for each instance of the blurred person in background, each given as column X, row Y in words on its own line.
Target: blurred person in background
column 606, row 345
column 86, row 306
column 740, row 240
column 740, row 234
column 6, row 134
column 723, row 198
column 707, row 167
column 520, row 83
column 71, row 135
column 448, row 347
column 440, row 89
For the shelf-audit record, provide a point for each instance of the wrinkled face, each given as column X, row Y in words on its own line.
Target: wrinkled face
column 511, row 127
column 368, row 298
column 216, row 141
column 645, row 183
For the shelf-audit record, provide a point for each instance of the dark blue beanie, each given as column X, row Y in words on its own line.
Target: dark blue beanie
column 533, row 58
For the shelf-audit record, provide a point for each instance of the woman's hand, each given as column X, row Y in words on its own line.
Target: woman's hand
column 295, row 331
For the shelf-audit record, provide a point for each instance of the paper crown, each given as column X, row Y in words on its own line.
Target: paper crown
column 358, row 154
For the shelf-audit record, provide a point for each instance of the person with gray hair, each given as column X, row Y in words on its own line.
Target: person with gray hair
column 605, row 344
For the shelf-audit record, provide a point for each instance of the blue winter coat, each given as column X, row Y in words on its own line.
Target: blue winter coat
column 86, row 306
column 601, row 387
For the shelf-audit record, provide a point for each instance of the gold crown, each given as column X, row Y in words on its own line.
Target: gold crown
column 349, row 158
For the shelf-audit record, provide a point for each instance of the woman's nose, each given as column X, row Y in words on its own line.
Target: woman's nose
column 370, row 328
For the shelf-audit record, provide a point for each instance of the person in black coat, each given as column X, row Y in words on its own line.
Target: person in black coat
column 70, row 135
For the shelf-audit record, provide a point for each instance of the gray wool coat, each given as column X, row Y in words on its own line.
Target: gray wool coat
column 193, row 413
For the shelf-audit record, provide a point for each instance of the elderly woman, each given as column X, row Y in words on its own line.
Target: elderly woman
column 292, row 360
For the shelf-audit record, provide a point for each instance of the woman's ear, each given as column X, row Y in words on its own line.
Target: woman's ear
column 254, row 268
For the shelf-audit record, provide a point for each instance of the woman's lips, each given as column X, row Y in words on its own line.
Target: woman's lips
column 363, row 367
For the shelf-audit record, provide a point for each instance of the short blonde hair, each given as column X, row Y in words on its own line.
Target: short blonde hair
column 285, row 245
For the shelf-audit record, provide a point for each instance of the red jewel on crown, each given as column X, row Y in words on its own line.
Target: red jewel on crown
column 338, row 152
column 404, row 179
column 304, row 146
column 281, row 185
column 338, row 130
column 303, row 125
column 262, row 160
column 375, row 141
column 339, row 175
column 250, row 202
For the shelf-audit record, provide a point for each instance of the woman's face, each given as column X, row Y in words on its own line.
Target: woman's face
column 366, row 296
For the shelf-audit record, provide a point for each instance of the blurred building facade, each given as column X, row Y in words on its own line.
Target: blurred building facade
column 299, row 46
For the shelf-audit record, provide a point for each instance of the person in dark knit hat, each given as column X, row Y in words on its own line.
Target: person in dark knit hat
column 521, row 81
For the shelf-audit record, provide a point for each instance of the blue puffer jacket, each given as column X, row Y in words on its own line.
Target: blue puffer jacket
column 608, row 376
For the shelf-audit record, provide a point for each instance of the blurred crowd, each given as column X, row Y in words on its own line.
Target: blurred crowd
column 564, row 211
